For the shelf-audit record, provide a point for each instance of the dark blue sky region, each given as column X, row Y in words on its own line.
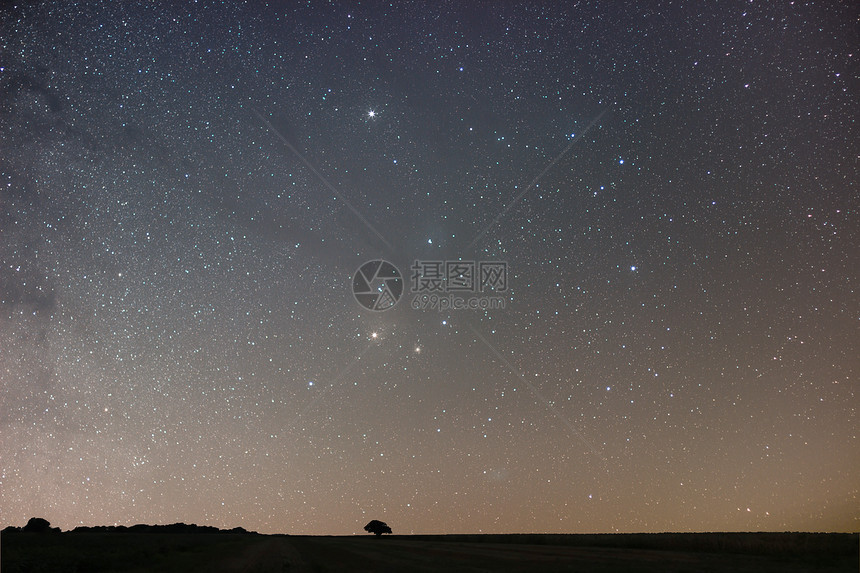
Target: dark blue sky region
column 187, row 190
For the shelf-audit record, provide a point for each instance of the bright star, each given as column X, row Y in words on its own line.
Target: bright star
column 371, row 114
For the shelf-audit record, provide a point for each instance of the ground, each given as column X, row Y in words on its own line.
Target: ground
column 138, row 552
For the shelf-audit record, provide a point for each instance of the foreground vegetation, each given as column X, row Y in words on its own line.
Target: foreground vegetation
column 183, row 548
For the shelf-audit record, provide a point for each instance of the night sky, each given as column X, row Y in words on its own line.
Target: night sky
column 188, row 189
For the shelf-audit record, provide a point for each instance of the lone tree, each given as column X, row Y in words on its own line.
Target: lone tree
column 39, row 525
column 377, row 527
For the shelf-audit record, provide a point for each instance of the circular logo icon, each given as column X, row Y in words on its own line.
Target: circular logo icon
column 377, row 285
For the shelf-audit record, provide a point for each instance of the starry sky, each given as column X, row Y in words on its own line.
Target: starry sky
column 187, row 190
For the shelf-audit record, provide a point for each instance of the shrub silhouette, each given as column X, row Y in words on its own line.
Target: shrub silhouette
column 39, row 525
column 377, row 527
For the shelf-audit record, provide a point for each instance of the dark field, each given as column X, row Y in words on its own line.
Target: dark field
column 667, row 552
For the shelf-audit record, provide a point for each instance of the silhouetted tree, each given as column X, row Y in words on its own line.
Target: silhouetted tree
column 39, row 525
column 377, row 527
